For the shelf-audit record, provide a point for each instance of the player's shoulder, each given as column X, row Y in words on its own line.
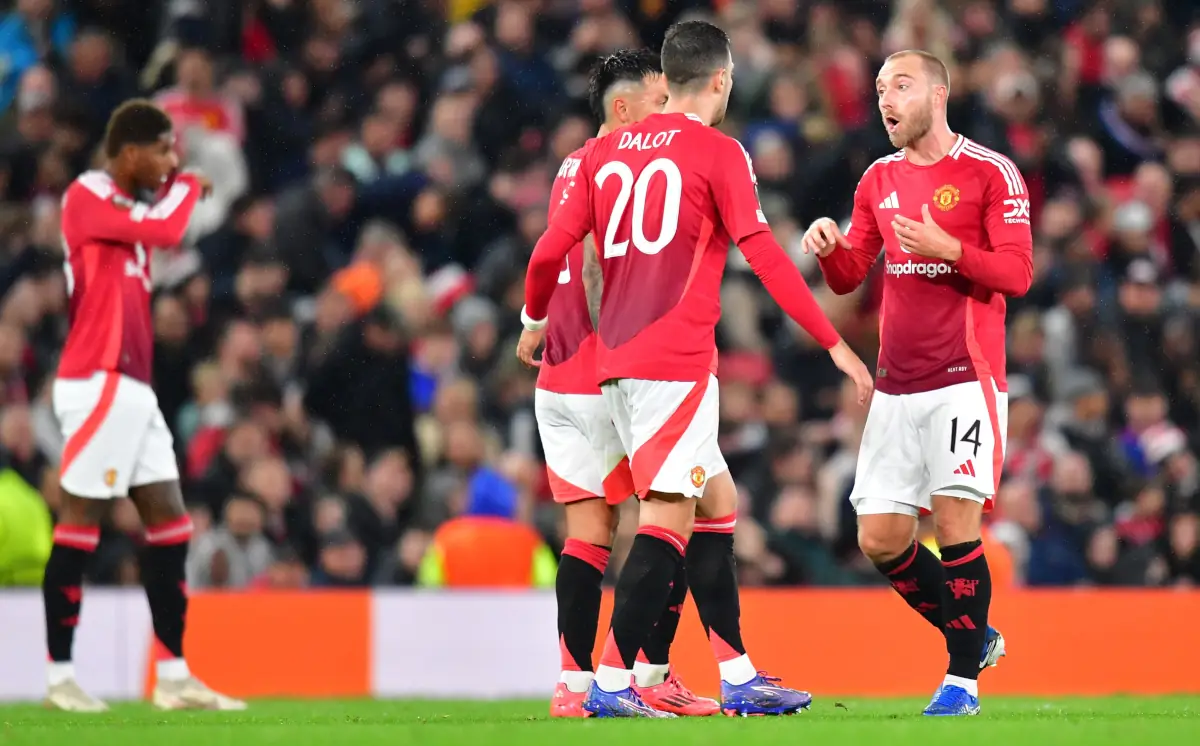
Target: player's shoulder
column 887, row 162
column 93, row 183
column 990, row 164
column 878, row 167
column 570, row 165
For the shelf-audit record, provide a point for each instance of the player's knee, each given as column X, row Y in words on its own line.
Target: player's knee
column 667, row 510
column 881, row 546
column 591, row 521
column 79, row 511
column 956, row 520
column 158, row 503
column 720, row 497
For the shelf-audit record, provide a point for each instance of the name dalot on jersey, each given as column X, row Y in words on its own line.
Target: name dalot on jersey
column 646, row 140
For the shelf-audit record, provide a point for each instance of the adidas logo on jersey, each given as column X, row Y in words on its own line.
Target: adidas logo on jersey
column 925, row 269
column 891, row 202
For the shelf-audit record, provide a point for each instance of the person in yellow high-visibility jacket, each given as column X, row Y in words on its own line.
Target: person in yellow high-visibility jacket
column 25, row 528
column 487, row 547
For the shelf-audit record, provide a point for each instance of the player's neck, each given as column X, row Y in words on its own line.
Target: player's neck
column 124, row 183
column 931, row 148
column 604, row 129
column 690, row 105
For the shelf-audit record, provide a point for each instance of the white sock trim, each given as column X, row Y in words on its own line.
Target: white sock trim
column 649, row 674
column 577, row 681
column 59, row 671
column 971, row 685
column 172, row 669
column 611, row 679
column 738, row 670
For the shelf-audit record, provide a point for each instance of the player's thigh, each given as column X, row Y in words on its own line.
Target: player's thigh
column 673, row 427
column 103, row 420
column 963, row 440
column 154, row 487
column 572, row 464
column 890, row 471
column 601, row 432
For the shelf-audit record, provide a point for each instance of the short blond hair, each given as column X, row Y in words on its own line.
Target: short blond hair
column 934, row 67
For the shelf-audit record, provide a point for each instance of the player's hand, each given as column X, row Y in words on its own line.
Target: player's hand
column 822, row 237
column 528, row 344
column 202, row 181
column 850, row 364
column 926, row 238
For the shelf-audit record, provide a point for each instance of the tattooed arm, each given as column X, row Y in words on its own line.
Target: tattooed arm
column 593, row 280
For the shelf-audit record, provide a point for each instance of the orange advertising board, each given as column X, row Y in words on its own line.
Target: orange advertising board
column 832, row 642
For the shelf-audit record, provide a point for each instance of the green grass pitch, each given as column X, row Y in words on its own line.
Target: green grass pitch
column 892, row 722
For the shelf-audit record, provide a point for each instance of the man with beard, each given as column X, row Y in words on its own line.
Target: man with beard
column 952, row 219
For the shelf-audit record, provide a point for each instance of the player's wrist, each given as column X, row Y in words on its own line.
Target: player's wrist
column 954, row 251
column 530, row 323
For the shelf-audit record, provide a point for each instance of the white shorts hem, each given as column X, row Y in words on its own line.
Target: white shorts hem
column 880, row 506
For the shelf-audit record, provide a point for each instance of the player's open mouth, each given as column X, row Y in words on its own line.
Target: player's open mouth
column 891, row 123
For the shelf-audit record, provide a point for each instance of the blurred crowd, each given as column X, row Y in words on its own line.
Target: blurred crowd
column 334, row 340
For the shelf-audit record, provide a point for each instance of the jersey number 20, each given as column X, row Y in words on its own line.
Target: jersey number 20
column 638, row 189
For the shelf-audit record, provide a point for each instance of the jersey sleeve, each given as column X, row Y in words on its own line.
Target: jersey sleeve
column 571, row 222
column 1005, row 265
column 570, row 209
column 845, row 269
column 161, row 225
column 735, row 190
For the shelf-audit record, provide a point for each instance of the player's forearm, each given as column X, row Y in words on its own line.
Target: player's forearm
column 593, row 280
column 844, row 270
column 787, row 287
column 1007, row 270
column 163, row 224
column 544, row 266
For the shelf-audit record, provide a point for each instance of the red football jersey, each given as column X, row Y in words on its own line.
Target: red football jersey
column 663, row 198
column 213, row 114
column 941, row 323
column 569, row 361
column 107, row 237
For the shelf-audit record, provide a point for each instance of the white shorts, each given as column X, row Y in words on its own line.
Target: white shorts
column 948, row 441
column 669, row 428
column 114, row 436
column 584, row 456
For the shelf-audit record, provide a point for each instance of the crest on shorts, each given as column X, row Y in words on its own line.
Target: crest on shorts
column 110, row 477
column 697, row 476
column 946, row 197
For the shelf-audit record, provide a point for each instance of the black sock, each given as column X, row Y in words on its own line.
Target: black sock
column 712, row 574
column 62, row 586
column 657, row 648
column 163, row 569
column 918, row 577
column 966, row 597
column 577, row 588
column 642, row 592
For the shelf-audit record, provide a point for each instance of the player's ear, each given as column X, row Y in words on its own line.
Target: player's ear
column 718, row 80
column 620, row 110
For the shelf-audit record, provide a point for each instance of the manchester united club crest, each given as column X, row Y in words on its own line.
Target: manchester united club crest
column 698, row 476
column 946, row 197
column 110, row 477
